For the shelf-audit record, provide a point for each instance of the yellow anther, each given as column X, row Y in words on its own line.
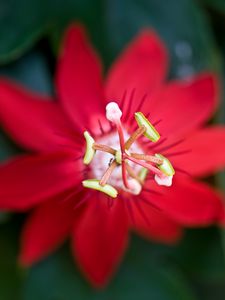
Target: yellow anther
column 90, row 152
column 166, row 167
column 151, row 133
column 95, row 185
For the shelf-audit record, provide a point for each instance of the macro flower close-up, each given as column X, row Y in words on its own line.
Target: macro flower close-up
column 111, row 154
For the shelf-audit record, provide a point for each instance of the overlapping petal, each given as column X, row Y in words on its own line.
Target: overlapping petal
column 207, row 153
column 32, row 119
column 46, row 228
column 153, row 223
column 78, row 79
column 141, row 66
column 184, row 106
column 31, row 179
column 100, row 239
column 188, row 202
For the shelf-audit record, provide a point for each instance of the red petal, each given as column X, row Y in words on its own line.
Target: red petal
column 79, row 79
column 100, row 240
column 46, row 228
column 153, row 223
column 187, row 202
column 142, row 66
column 31, row 119
column 182, row 106
column 207, row 153
column 29, row 180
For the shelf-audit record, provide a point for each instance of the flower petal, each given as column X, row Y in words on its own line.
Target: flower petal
column 100, row 240
column 31, row 119
column 79, row 80
column 28, row 180
column 153, row 223
column 187, row 202
column 183, row 106
column 207, row 153
column 46, row 228
column 142, row 66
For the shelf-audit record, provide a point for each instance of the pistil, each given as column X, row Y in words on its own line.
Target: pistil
column 113, row 114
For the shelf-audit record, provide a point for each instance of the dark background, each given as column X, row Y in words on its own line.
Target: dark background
column 194, row 32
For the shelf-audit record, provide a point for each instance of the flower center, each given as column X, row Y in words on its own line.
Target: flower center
column 103, row 160
column 117, row 161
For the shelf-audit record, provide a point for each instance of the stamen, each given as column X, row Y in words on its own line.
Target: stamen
column 90, row 152
column 108, row 173
column 149, row 158
column 134, row 136
column 166, row 166
column 94, row 184
column 145, row 165
column 118, row 157
column 150, row 132
column 104, row 148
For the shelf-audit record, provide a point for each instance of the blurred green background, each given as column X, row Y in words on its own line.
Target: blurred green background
column 194, row 31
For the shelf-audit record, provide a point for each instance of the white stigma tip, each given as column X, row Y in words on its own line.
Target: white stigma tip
column 134, row 187
column 164, row 180
column 113, row 112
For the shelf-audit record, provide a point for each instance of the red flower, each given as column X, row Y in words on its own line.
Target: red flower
column 51, row 179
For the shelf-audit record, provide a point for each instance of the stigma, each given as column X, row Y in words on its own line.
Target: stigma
column 116, row 160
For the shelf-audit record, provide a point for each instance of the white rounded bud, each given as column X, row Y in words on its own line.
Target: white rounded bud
column 164, row 180
column 134, row 186
column 113, row 112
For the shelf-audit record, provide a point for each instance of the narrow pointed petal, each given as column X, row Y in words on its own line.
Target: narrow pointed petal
column 31, row 179
column 100, row 240
column 183, row 106
column 153, row 223
column 141, row 66
column 31, row 119
column 207, row 153
column 188, row 202
column 46, row 229
column 78, row 79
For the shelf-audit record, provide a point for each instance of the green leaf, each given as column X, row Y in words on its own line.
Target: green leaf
column 181, row 24
column 215, row 4
column 200, row 254
column 140, row 277
column 23, row 22
column 10, row 275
